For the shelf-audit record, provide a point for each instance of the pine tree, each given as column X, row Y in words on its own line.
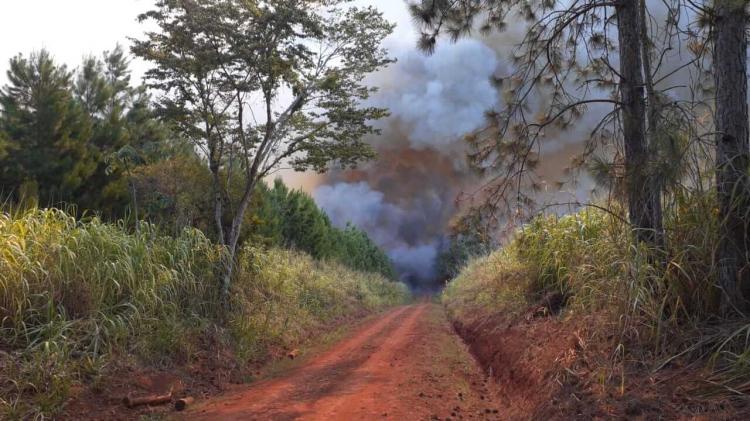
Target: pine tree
column 732, row 149
column 48, row 132
column 121, row 117
column 565, row 58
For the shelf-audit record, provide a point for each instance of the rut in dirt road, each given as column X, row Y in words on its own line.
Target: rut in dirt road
column 408, row 365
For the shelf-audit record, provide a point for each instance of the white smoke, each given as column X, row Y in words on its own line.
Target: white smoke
column 405, row 204
column 443, row 96
column 416, row 263
column 360, row 205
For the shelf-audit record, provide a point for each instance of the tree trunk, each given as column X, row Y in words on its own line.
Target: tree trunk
column 732, row 148
column 655, row 184
column 232, row 240
column 644, row 196
column 134, row 199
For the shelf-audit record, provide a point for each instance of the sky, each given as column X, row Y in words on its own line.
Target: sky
column 73, row 29
column 70, row 29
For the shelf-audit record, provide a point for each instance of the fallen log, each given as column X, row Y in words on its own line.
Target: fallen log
column 132, row 402
column 183, row 403
column 293, row 354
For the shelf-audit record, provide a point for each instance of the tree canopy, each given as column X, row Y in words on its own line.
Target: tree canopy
column 258, row 85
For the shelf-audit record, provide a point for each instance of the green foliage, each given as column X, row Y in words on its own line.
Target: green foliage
column 469, row 240
column 46, row 129
column 354, row 248
column 587, row 257
column 57, row 129
column 74, row 293
column 489, row 284
column 567, row 252
column 303, row 225
column 176, row 193
column 308, row 293
column 298, row 223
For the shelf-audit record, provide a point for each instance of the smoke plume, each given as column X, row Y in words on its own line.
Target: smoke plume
column 406, row 198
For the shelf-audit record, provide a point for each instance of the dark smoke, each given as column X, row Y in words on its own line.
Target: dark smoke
column 405, row 199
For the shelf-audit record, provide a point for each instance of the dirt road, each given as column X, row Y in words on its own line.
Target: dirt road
column 407, row 364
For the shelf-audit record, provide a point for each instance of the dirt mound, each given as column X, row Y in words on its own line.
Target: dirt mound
column 552, row 368
column 524, row 358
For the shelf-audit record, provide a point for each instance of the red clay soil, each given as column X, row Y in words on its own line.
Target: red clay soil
column 410, row 364
column 550, row 368
column 406, row 365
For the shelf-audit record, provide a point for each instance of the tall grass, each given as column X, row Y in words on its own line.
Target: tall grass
column 73, row 294
column 664, row 306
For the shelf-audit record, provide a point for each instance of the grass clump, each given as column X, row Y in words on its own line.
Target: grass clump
column 75, row 294
column 579, row 256
column 283, row 295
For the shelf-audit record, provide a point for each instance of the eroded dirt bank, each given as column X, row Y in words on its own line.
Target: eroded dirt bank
column 554, row 368
column 406, row 365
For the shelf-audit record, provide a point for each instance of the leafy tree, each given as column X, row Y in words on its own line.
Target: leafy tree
column 261, row 84
column 174, row 192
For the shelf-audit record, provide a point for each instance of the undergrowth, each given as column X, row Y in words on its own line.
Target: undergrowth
column 75, row 294
column 659, row 308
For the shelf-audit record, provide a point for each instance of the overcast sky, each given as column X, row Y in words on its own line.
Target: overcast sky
column 72, row 29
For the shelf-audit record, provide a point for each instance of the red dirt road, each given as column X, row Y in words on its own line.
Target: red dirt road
column 407, row 364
